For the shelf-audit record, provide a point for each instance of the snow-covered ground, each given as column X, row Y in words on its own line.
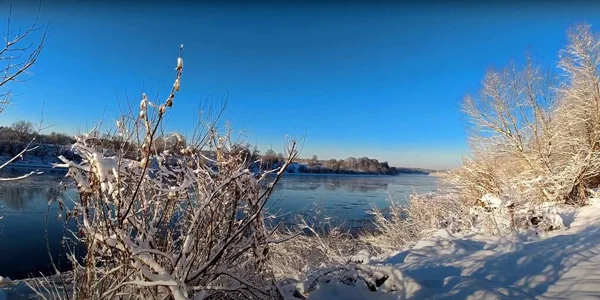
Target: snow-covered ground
column 560, row 265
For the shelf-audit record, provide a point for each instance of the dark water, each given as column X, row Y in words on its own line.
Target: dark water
column 24, row 209
column 23, row 230
column 346, row 198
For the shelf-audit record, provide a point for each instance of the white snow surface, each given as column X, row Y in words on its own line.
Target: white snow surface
column 562, row 264
column 492, row 201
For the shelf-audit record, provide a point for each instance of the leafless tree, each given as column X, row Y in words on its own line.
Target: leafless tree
column 537, row 136
column 578, row 114
column 22, row 129
column 17, row 56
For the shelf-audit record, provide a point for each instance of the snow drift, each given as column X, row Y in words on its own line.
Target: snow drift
column 563, row 264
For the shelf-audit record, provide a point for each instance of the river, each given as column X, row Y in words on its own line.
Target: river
column 345, row 198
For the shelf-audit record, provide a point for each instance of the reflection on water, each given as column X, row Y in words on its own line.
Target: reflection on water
column 344, row 198
column 18, row 197
column 23, row 230
column 332, row 183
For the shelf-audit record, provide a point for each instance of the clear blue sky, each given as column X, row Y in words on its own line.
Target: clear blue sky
column 383, row 81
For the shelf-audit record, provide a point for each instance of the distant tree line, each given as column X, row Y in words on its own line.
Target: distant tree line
column 14, row 139
column 24, row 132
column 353, row 165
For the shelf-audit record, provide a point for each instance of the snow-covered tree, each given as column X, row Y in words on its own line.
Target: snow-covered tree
column 536, row 136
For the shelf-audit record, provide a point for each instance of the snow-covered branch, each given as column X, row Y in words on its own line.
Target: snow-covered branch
column 183, row 223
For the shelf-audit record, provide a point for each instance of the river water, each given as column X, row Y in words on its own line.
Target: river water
column 345, row 198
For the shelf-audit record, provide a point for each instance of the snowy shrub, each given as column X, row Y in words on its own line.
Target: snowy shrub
column 534, row 133
column 500, row 216
column 311, row 248
column 400, row 224
column 380, row 279
column 173, row 224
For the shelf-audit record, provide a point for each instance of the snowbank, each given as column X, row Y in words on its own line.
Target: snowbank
column 563, row 264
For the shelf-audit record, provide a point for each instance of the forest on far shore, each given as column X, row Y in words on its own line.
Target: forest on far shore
column 15, row 138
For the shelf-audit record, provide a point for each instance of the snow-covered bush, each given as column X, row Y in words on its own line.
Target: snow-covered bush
column 536, row 134
column 311, row 248
column 501, row 216
column 400, row 224
column 174, row 224
column 369, row 279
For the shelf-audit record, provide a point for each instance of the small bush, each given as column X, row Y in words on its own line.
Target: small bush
column 399, row 225
column 174, row 224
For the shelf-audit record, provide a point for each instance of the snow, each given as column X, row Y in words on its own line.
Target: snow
column 563, row 264
column 492, row 201
column 361, row 257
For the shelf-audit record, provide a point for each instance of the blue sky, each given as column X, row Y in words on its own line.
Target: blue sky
column 383, row 81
